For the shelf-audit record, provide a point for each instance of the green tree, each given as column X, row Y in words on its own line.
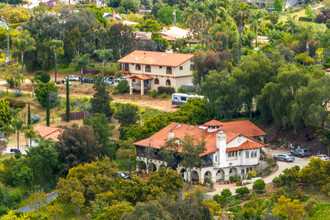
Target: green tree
column 37, row 199
column 57, row 47
column 116, row 211
column 29, row 116
column 131, row 5
column 242, row 191
column 274, row 16
column 150, row 25
column 5, row 116
column 67, row 104
column 17, row 125
column 162, row 43
column 215, row 9
column 291, row 23
column 240, row 14
column 285, row 208
column 306, row 36
column 259, row 186
column 42, row 76
column 221, row 90
column 147, row 210
column 278, row 5
column 47, row 109
column 256, row 17
column 30, row 134
column 42, row 92
column 189, row 147
column 80, row 62
column 165, row 15
column 316, row 173
column 104, row 55
column 23, row 43
column 78, row 145
column 127, row 114
column 127, row 153
column 122, row 86
column 101, row 99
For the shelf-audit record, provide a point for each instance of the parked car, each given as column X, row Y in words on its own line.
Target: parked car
column 15, row 150
column 125, row 176
column 285, row 157
column 301, row 152
column 323, row 157
column 72, row 78
column 109, row 80
column 121, row 78
column 87, row 80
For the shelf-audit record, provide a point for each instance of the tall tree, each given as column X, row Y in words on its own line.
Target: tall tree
column 127, row 114
column 240, row 14
column 17, row 125
column 23, row 43
column 291, row 23
column 256, row 17
column 189, row 149
column 215, row 9
column 306, row 36
column 80, row 62
column 127, row 153
column 57, row 47
column 37, row 199
column 274, row 16
column 47, row 109
column 67, row 109
column 32, row 80
column 104, row 55
column 101, row 99
column 29, row 116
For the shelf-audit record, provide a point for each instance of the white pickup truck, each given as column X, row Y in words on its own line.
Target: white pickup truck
column 72, row 78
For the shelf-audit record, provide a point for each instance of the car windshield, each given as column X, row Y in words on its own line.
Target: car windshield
column 306, row 151
column 122, row 174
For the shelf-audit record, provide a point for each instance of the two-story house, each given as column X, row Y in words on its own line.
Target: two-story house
column 147, row 70
column 231, row 148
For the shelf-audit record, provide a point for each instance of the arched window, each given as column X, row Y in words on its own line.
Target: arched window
column 148, row 68
column 169, row 70
column 156, row 81
column 168, row 82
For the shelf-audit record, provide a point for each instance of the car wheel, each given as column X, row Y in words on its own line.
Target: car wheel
column 300, row 156
column 285, row 160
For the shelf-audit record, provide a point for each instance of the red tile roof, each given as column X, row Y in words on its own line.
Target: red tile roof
column 213, row 123
column 180, row 130
column 155, row 58
column 140, row 76
column 244, row 127
column 245, row 146
column 48, row 132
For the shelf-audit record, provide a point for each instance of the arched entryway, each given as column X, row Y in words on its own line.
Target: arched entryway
column 233, row 171
column 162, row 166
column 195, row 176
column 220, row 175
column 207, row 176
column 152, row 167
column 141, row 165
column 184, row 174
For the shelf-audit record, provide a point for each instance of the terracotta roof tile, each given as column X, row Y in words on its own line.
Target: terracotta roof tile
column 140, row 76
column 245, row 146
column 155, row 58
column 48, row 132
column 213, row 123
column 245, row 127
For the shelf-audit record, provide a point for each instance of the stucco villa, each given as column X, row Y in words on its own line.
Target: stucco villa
column 147, row 70
column 232, row 148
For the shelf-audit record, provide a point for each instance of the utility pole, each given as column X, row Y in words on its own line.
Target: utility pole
column 174, row 13
column 8, row 43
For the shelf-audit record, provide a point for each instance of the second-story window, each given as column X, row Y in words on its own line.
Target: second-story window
column 181, row 67
column 148, row 68
column 169, row 70
column 247, row 154
column 138, row 67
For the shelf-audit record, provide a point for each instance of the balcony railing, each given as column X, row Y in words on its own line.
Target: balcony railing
column 210, row 164
column 155, row 156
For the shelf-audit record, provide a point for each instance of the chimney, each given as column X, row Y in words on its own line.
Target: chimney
column 113, row 15
column 170, row 135
column 221, row 145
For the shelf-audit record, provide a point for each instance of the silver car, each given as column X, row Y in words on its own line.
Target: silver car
column 285, row 157
column 322, row 156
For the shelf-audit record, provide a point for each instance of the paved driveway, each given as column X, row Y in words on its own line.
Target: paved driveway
column 27, row 208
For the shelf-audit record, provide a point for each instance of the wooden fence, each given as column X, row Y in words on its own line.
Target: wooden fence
column 11, row 62
column 75, row 115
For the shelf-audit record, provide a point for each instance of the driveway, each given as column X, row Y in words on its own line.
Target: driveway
column 301, row 162
column 27, row 208
column 23, row 149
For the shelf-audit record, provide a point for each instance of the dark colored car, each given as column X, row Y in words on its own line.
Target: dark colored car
column 125, row 176
column 301, row 153
column 15, row 150
column 285, row 157
column 87, row 80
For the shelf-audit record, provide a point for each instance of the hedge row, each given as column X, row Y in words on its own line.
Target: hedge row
column 166, row 90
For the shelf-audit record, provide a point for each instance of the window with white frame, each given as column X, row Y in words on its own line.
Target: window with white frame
column 247, row 154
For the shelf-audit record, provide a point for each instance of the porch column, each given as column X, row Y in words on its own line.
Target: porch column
column 130, row 87
column 142, row 87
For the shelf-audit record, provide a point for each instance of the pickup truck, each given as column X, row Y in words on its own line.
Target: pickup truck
column 301, row 152
column 72, row 78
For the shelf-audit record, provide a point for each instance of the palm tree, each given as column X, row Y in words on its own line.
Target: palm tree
column 307, row 35
column 80, row 62
column 17, row 125
column 274, row 16
column 256, row 17
column 32, row 80
column 291, row 23
column 215, row 9
column 18, row 78
column 23, row 43
column 240, row 14
column 104, row 55
column 8, row 78
column 31, row 135
column 57, row 47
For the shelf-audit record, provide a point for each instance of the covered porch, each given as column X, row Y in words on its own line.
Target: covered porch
column 139, row 82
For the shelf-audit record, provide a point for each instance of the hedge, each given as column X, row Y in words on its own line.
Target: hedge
column 166, row 90
column 305, row 19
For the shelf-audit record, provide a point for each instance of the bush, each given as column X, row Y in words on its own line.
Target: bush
column 242, row 191
column 153, row 93
column 42, row 76
column 308, row 19
column 41, row 92
column 226, row 193
column 326, row 189
column 235, row 209
column 183, row 90
column 19, row 104
column 251, row 174
column 122, row 86
column 259, row 186
column 35, row 118
column 277, row 181
column 164, row 96
column 166, row 90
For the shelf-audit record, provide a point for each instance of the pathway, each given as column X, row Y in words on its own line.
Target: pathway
column 27, row 208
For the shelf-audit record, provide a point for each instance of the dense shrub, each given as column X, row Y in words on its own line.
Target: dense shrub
column 166, row 90
column 242, row 191
column 122, row 86
column 153, row 93
column 259, row 186
column 42, row 76
column 35, row 118
column 19, row 104
column 183, row 90
column 41, row 92
column 308, row 19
